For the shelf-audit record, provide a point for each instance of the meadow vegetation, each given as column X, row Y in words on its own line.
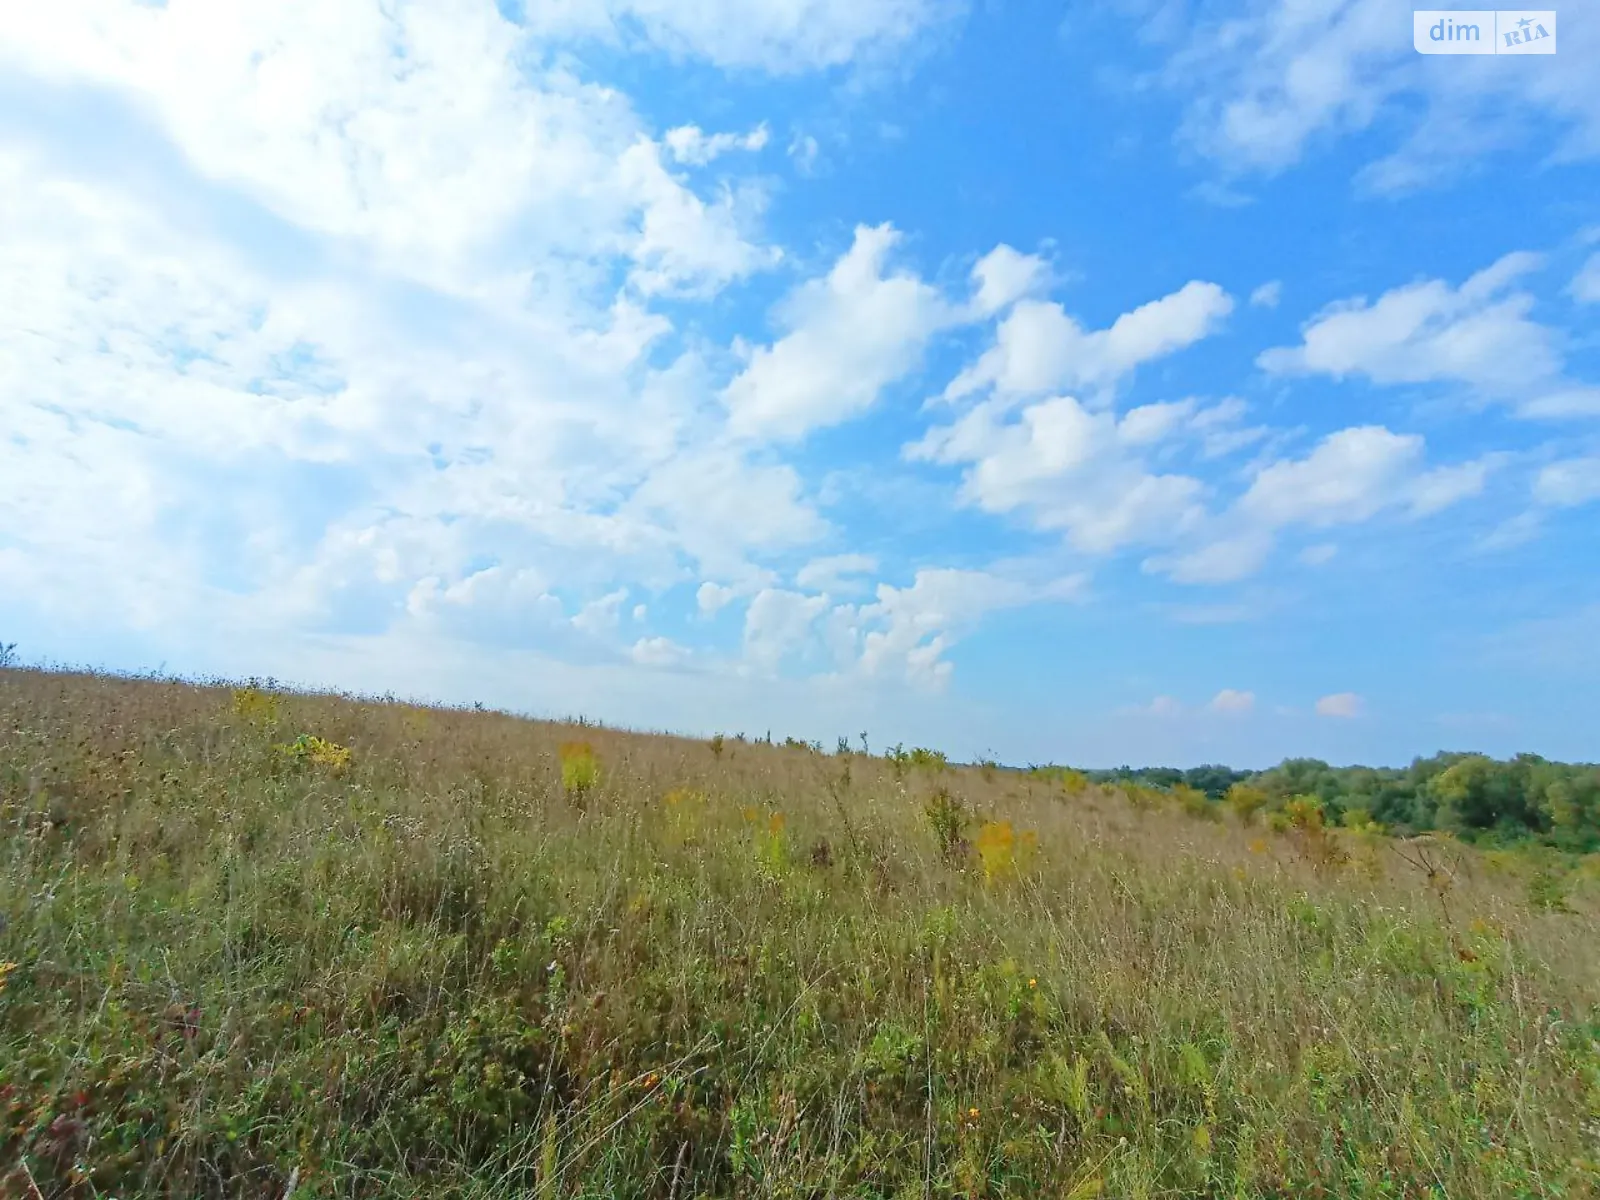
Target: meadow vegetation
column 255, row 943
column 1487, row 801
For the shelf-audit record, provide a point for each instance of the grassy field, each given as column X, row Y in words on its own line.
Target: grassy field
column 436, row 953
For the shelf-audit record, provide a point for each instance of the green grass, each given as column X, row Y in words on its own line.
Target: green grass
column 438, row 970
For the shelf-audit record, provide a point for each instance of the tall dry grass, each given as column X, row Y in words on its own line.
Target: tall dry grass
column 449, row 963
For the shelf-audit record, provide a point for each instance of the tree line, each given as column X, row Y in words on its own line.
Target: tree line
column 1474, row 796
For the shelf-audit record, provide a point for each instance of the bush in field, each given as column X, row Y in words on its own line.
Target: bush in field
column 580, row 770
column 319, row 752
column 947, row 817
column 255, row 707
column 1245, row 801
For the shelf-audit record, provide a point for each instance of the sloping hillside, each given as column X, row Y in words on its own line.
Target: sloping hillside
column 254, row 942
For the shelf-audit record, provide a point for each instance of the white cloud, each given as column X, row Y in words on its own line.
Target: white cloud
column 775, row 35
column 848, row 337
column 1569, row 483
column 720, row 505
column 1512, row 532
column 685, row 244
column 490, row 586
column 423, row 132
column 1268, row 82
column 1585, row 286
column 1004, row 276
column 1264, row 83
column 1267, row 295
column 1344, row 705
column 907, row 630
column 1222, row 560
column 1478, row 335
column 1350, row 477
column 1425, row 332
column 1438, row 489
column 658, row 652
column 1161, row 706
column 245, row 441
column 1230, row 701
column 692, row 145
column 600, row 617
column 712, row 598
column 776, row 623
column 1220, row 433
column 831, row 574
column 1064, row 467
column 1074, row 468
column 640, row 612
column 804, row 150
column 1564, row 402
column 1039, row 348
column 1084, row 473
column 1151, row 423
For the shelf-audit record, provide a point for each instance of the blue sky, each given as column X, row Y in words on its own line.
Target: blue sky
column 1138, row 381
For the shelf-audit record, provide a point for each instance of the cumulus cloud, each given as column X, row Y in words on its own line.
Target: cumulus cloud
column 776, row 623
column 658, row 652
column 720, row 505
column 1222, row 560
column 1004, row 276
column 1585, row 285
column 490, row 587
column 1569, row 483
column 422, row 132
column 1230, row 701
column 1350, row 477
column 847, row 337
column 1078, row 471
column 1343, row 705
column 1062, row 466
column 684, row 243
column 1073, row 467
column 289, row 438
column 834, row 573
column 1267, row 295
column 1479, row 335
column 712, row 598
column 602, row 615
column 906, row 631
column 1038, row 348
column 692, row 145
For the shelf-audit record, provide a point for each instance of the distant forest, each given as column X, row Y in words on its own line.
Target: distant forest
column 1473, row 796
